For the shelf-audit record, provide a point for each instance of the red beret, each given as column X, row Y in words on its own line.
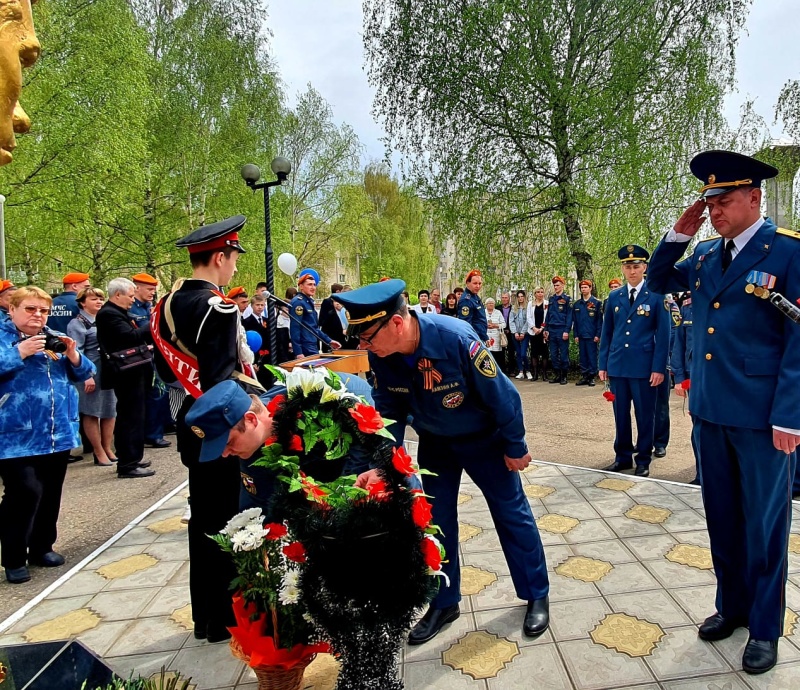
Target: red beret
column 71, row 278
column 586, row 281
column 613, row 281
column 474, row 272
column 6, row 285
column 558, row 279
column 237, row 292
column 144, row 278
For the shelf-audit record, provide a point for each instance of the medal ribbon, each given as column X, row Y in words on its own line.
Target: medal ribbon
column 429, row 375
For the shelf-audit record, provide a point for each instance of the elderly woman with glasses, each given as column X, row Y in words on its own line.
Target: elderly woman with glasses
column 38, row 427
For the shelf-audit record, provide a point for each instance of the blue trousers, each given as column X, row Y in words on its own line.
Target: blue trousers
column 483, row 462
column 661, row 432
column 587, row 348
column 521, row 350
column 643, row 396
column 559, row 352
column 747, row 492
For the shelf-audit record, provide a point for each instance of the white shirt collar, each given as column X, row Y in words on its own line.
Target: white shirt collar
column 638, row 288
column 741, row 241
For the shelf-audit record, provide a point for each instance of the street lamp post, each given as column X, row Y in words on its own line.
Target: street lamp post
column 251, row 175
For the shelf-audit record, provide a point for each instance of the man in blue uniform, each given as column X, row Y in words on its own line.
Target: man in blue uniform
column 680, row 361
column 470, row 305
column 662, row 423
column 469, row 418
column 65, row 306
column 745, row 391
column 559, row 324
column 587, row 324
column 304, row 311
column 633, row 356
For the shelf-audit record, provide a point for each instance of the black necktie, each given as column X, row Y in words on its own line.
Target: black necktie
column 727, row 255
column 632, row 297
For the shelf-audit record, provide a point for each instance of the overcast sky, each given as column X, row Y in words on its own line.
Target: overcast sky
column 320, row 42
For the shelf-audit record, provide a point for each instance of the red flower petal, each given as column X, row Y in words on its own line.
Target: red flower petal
column 608, row 395
column 295, row 552
column 686, row 385
column 402, row 461
column 296, row 444
column 431, row 554
column 275, row 530
column 367, row 417
column 421, row 511
column 275, row 403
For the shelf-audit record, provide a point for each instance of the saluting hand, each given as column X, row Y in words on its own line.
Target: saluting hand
column 517, row 464
column 691, row 220
column 783, row 440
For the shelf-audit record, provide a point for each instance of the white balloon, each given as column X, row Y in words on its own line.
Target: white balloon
column 287, row 263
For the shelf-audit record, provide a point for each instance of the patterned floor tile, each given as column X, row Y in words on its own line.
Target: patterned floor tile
column 627, row 577
column 540, row 664
column 167, row 600
column 681, row 653
column 507, row 623
column 149, row 635
column 84, row 582
column 565, row 588
column 480, row 654
column 591, row 530
column 561, row 497
column 654, row 605
column 485, row 541
column 726, row 682
column 493, row 561
column 64, row 626
column 433, row 649
column 648, row 548
column 145, row 664
column 433, row 675
column 580, row 510
column 125, row 605
column 169, row 551
column 733, row 647
column 698, row 602
column 114, row 554
column 612, row 506
column 218, row 665
column 665, row 501
column 645, row 488
column 557, row 553
column 572, row 620
column 500, row 594
column 782, row 677
column 479, row 518
column 157, row 576
column 593, row 667
column 698, row 538
column 137, row 535
column 48, row 610
column 676, row 575
column 612, row 551
column 477, row 504
column 626, row 528
column 693, row 499
column 100, row 639
column 685, row 521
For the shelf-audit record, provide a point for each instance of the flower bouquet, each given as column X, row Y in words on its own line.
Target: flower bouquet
column 273, row 631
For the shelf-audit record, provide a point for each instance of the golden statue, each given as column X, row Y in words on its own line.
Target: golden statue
column 19, row 48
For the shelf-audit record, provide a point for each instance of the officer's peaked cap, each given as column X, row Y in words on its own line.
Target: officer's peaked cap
column 724, row 171
column 371, row 304
column 217, row 236
column 633, row 253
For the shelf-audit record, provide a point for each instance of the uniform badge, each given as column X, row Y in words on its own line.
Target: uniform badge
column 474, row 346
column 453, row 400
column 464, row 311
column 198, row 432
column 629, row 247
column 616, row 309
column 759, row 284
column 248, row 483
column 484, row 363
column 298, row 310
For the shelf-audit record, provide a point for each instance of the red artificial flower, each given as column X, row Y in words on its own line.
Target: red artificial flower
column 686, row 385
column 312, row 490
column 608, row 395
column 431, row 554
column 295, row 552
column 378, row 487
column 275, row 530
column 275, row 403
column 296, row 444
column 402, row 461
column 421, row 511
column 367, row 417
column 271, row 440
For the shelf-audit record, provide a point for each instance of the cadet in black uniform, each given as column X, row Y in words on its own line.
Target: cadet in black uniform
column 196, row 330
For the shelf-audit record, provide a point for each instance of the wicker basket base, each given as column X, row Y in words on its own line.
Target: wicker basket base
column 275, row 677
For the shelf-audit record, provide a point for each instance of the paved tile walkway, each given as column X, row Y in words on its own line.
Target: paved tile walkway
column 630, row 579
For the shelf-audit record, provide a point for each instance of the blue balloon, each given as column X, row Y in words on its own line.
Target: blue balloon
column 254, row 341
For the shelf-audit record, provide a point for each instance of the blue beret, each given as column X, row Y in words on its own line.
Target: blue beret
column 224, row 233
column 307, row 272
column 724, row 171
column 633, row 253
column 371, row 303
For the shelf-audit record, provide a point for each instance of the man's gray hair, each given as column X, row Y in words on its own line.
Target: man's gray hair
column 119, row 286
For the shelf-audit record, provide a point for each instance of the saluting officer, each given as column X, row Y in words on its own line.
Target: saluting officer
column 745, row 391
column 633, row 356
column 196, row 331
column 469, row 418
column 587, row 320
column 559, row 324
column 304, row 311
column 470, row 306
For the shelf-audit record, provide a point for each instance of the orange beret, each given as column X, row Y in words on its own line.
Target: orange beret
column 237, row 292
column 615, row 281
column 75, row 278
column 586, row 281
column 558, row 279
column 384, row 279
column 474, row 272
column 6, row 285
column 144, row 278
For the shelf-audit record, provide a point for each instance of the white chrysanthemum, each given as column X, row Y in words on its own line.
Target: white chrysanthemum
column 247, row 540
column 290, row 592
column 246, row 517
column 307, row 380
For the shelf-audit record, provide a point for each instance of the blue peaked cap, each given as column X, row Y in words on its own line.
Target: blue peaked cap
column 371, row 304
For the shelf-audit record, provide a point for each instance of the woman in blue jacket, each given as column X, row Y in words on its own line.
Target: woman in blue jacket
column 38, row 427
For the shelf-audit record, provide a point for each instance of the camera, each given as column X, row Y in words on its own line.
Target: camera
column 53, row 343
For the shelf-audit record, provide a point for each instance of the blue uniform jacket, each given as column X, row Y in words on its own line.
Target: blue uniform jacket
column 635, row 339
column 63, row 310
column 746, row 371
column 559, row 315
column 39, row 408
column 683, row 346
column 461, row 394
column 470, row 309
column 587, row 318
column 303, row 343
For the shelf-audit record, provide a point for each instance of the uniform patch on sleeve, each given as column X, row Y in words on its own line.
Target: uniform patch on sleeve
column 298, row 310
column 464, row 311
column 474, row 346
column 453, row 400
column 484, row 363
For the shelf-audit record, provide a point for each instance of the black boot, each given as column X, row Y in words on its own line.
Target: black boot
column 563, row 379
column 535, row 369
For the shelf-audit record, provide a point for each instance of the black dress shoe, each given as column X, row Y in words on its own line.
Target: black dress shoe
column 759, row 656
column 555, row 379
column 660, row 452
column 143, row 464
column 583, row 382
column 157, row 442
column 51, row 559
column 618, row 467
column 431, row 624
column 642, row 471
column 217, row 633
column 563, row 380
column 16, row 576
column 717, row 627
column 135, row 473
column 537, row 617
column 101, row 464
column 200, row 631
column 591, row 382
column 74, row 458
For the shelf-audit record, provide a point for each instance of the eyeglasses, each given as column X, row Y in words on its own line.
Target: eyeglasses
column 368, row 340
column 42, row 311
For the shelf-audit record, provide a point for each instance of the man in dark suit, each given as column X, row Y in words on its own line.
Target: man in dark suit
column 329, row 322
column 745, row 391
column 258, row 322
column 634, row 346
column 116, row 332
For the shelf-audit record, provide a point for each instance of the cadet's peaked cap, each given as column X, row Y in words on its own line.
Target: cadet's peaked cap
column 237, row 292
column 307, row 273
column 71, row 278
column 633, row 254
column 724, row 171
column 371, row 304
column 144, row 278
column 224, row 233
column 216, row 412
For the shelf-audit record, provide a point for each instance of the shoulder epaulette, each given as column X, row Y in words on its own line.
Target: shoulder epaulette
column 708, row 239
column 789, row 233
